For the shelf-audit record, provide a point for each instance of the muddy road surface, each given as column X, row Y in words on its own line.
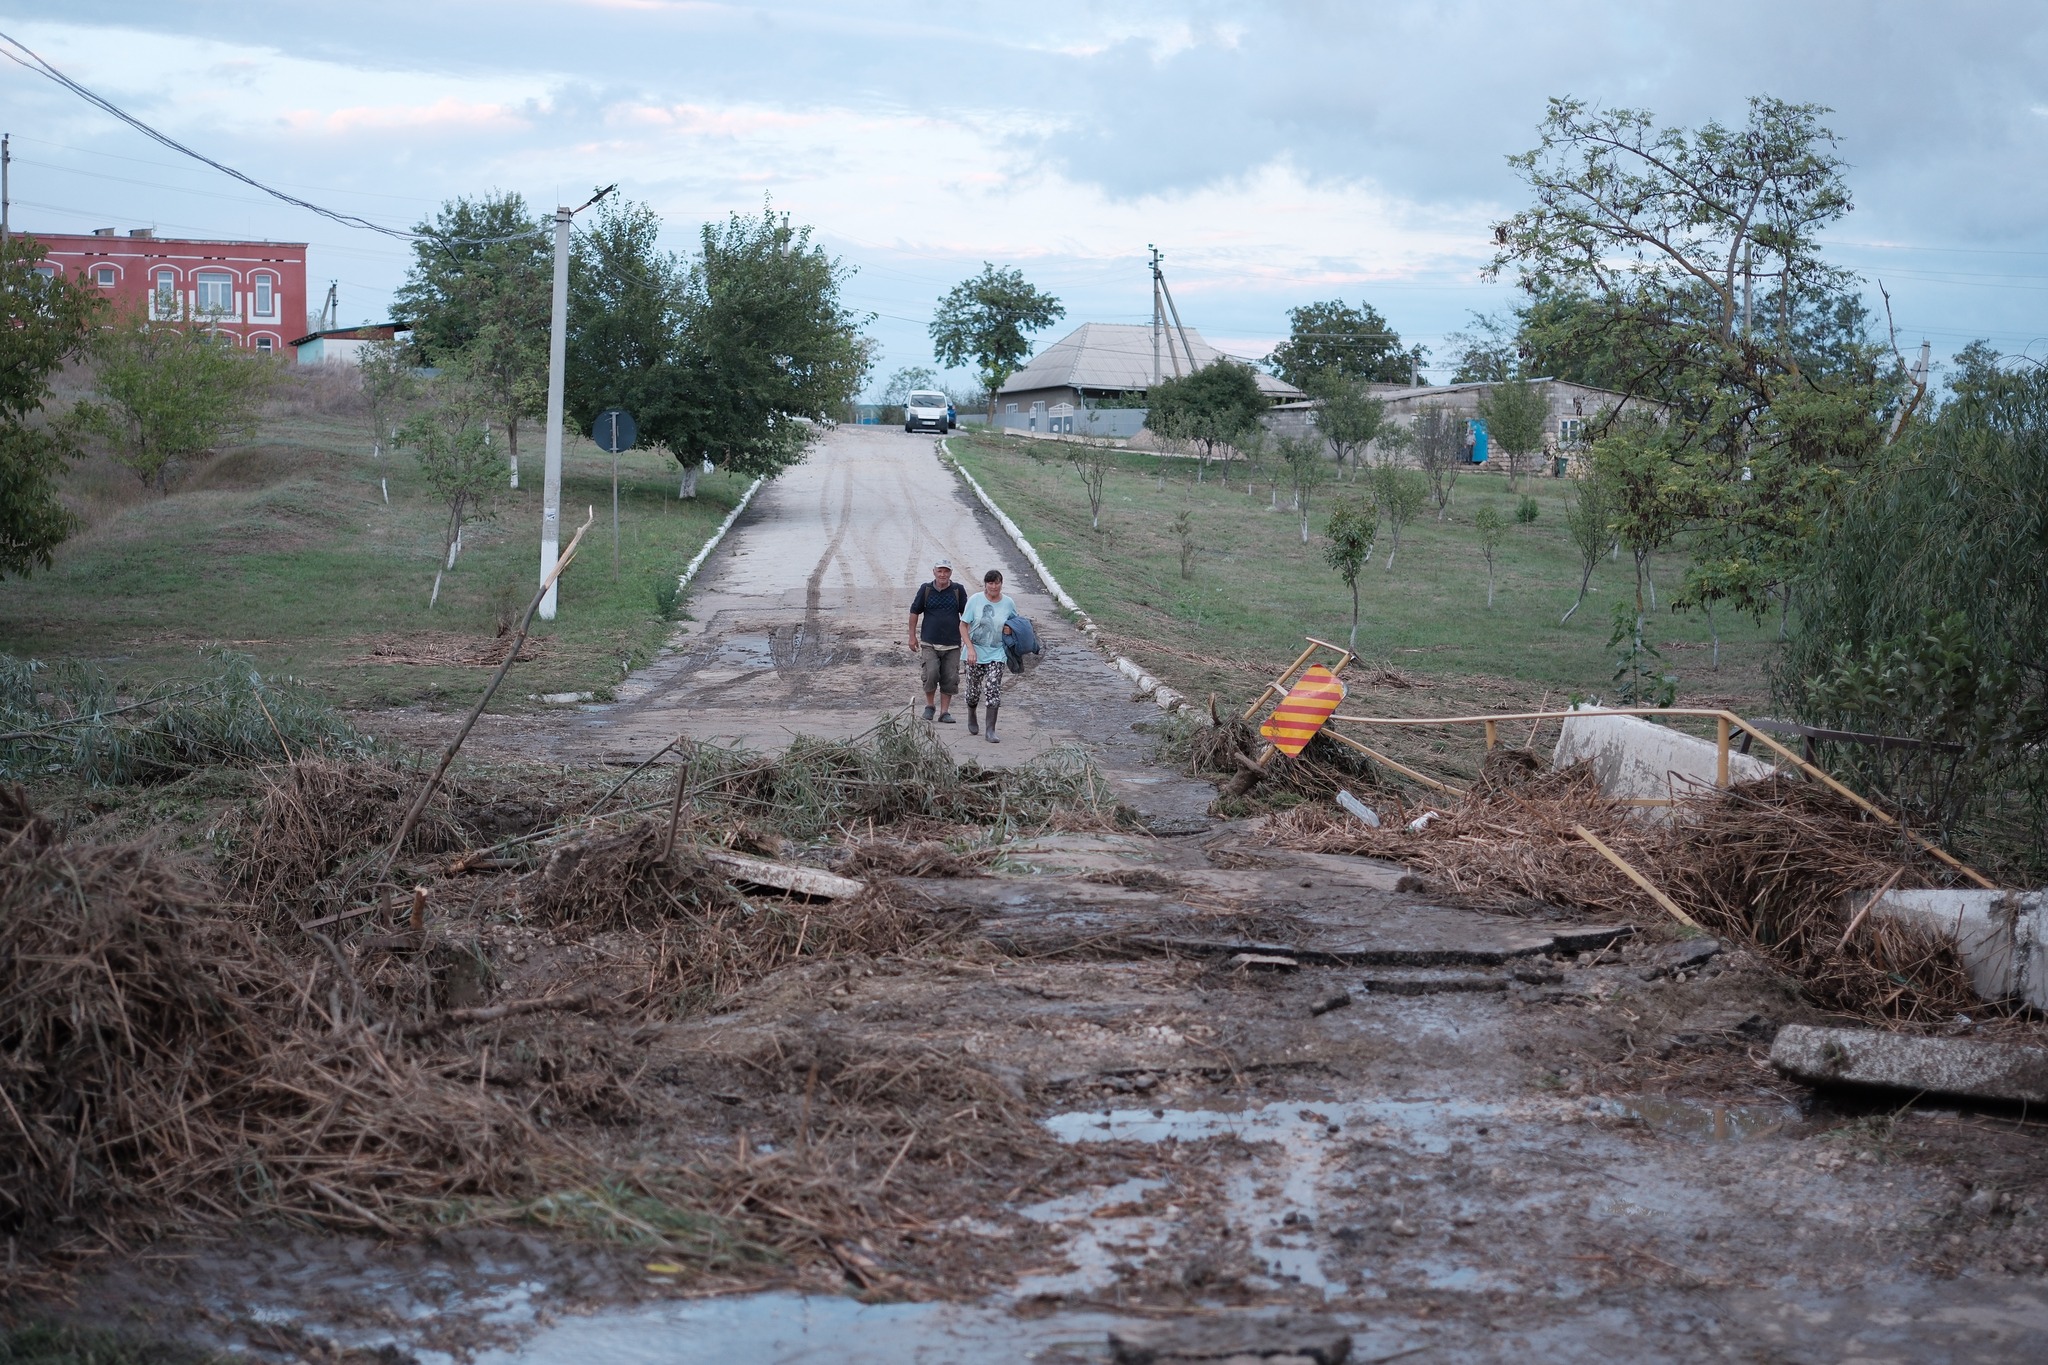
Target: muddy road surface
column 799, row 628
column 1169, row 1079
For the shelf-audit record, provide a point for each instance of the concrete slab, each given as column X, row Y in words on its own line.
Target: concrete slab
column 1308, row 1340
column 1637, row 759
column 2013, row 1072
column 2002, row 936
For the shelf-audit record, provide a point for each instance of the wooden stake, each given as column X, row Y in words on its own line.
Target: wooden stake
column 1670, row 906
column 1856, row 921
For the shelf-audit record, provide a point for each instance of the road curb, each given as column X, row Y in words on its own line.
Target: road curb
column 1149, row 687
column 717, row 537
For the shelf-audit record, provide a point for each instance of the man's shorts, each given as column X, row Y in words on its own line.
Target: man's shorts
column 940, row 668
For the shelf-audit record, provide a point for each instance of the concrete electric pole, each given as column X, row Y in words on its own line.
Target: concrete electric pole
column 558, row 352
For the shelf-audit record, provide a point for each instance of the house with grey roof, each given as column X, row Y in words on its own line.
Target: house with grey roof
column 1111, row 362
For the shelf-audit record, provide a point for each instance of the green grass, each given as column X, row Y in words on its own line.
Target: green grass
column 1256, row 590
column 284, row 548
column 47, row 1344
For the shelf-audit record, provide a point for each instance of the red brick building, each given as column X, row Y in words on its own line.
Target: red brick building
column 254, row 292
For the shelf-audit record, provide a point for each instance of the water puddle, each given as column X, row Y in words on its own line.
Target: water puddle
column 1702, row 1119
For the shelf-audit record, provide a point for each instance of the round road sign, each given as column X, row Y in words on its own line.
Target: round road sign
column 614, row 430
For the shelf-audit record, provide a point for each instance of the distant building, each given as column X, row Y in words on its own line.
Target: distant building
column 344, row 345
column 1573, row 408
column 242, row 290
column 1106, row 361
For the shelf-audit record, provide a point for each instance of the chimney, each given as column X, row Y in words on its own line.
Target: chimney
column 136, row 232
column 102, row 232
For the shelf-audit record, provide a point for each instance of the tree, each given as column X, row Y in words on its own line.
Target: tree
column 1310, row 468
column 1439, row 436
column 1487, row 354
column 1334, row 337
column 1184, row 532
column 455, row 457
column 1353, row 527
column 51, row 321
column 1347, row 414
column 170, row 391
column 480, row 291
column 987, row 321
column 1515, row 412
column 737, row 356
column 1642, row 256
column 1490, row 525
column 1214, row 406
column 906, row 381
column 390, row 382
column 1092, row 462
column 1400, row 495
column 1587, row 517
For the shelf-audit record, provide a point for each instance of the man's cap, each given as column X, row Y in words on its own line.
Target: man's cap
column 942, row 562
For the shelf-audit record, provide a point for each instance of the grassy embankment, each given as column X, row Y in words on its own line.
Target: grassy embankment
column 1256, row 590
column 283, row 547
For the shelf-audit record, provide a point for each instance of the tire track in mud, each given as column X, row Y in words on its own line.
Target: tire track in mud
column 806, row 648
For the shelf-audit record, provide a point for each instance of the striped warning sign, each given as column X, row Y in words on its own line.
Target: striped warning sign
column 1301, row 713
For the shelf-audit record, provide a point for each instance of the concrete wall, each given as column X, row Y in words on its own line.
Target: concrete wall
column 1637, row 759
column 2002, row 936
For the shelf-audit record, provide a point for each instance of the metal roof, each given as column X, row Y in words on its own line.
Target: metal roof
column 1117, row 357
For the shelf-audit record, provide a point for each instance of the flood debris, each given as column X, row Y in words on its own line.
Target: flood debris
column 1777, row 865
column 2002, row 936
column 1987, row 1070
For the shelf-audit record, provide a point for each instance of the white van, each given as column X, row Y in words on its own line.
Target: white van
column 927, row 409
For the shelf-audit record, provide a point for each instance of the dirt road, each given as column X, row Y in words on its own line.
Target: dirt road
column 799, row 629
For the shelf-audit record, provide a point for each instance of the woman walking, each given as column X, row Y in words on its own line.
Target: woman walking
column 987, row 619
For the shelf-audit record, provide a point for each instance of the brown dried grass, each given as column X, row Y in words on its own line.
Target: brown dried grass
column 1780, row 865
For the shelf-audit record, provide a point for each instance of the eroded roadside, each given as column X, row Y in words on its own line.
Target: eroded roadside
column 1459, row 1133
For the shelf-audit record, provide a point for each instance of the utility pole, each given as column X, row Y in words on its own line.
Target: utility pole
column 1158, row 312
column 558, row 351
column 6, row 155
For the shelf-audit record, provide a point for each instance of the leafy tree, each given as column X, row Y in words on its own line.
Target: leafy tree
column 169, row 392
column 1490, row 525
column 1093, row 463
column 1400, row 494
column 1347, row 414
column 1924, row 613
column 735, row 356
column 390, row 382
column 1334, row 337
column 906, row 381
column 1527, row 511
column 1515, row 412
column 1353, row 527
column 480, row 292
column 1310, row 468
column 449, row 440
column 1439, row 436
column 1487, row 354
column 1590, row 520
column 1642, row 254
column 987, row 321
column 1215, row 406
column 51, row 320
column 1184, row 532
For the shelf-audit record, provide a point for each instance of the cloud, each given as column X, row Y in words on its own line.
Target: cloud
column 444, row 113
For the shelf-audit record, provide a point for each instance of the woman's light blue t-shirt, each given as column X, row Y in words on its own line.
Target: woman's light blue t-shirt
column 985, row 621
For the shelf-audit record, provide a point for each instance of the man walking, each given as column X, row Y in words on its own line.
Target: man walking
column 937, row 637
column 987, row 621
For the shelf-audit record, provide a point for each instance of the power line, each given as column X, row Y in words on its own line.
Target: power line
column 36, row 64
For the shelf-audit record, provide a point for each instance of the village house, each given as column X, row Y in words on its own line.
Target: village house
column 250, row 293
column 1573, row 409
column 1094, row 379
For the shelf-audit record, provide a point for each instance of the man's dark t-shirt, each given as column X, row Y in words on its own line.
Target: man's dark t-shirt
column 941, row 610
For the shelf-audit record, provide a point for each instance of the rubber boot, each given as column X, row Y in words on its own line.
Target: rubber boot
column 974, row 719
column 991, row 735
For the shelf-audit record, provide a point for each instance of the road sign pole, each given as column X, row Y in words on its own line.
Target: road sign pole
column 615, row 495
column 551, row 483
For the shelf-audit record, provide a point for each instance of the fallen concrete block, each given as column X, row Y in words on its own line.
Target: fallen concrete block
column 1636, row 759
column 2002, row 936
column 1894, row 1061
column 1687, row 955
column 1290, row 1338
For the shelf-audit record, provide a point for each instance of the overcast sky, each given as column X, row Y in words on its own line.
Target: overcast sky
column 1278, row 153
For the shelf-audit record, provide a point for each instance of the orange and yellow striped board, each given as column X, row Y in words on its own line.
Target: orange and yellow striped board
column 1301, row 713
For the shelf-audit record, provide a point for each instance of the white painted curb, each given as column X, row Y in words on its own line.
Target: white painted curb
column 690, row 570
column 1161, row 695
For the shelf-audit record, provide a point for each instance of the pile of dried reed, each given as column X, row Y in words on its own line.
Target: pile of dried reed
column 162, row 1061
column 1781, row 865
